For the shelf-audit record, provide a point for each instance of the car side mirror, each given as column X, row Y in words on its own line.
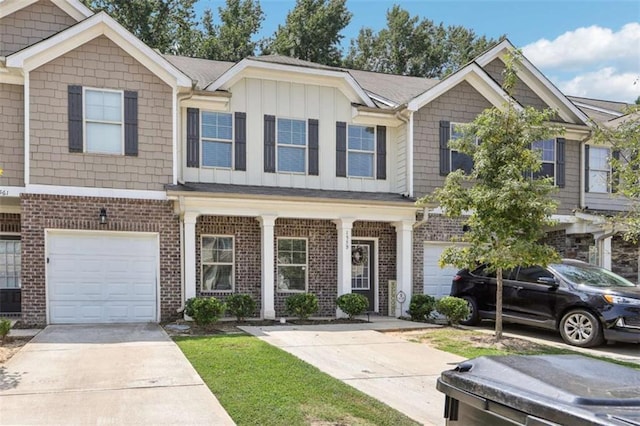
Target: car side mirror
column 550, row 281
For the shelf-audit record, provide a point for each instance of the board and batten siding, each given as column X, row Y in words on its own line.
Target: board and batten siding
column 257, row 97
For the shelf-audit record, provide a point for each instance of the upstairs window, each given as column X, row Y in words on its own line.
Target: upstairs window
column 217, row 139
column 547, row 149
column 291, row 145
column 459, row 161
column 103, row 120
column 599, row 170
column 361, row 149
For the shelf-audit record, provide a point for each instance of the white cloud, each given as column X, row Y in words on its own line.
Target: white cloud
column 590, row 46
column 604, row 83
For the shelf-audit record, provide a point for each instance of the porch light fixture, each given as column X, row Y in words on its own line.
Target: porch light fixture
column 103, row 216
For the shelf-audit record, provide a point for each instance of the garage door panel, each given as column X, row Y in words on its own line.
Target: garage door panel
column 437, row 280
column 102, row 278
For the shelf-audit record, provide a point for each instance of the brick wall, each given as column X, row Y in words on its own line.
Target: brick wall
column 322, row 276
column 40, row 212
column 100, row 63
column 31, row 25
column 624, row 258
column 461, row 104
column 386, row 236
column 247, row 252
column 435, row 228
column 12, row 134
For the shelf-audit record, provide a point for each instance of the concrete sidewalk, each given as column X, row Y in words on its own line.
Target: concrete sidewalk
column 399, row 373
column 109, row 374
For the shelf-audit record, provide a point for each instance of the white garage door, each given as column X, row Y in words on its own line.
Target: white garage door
column 101, row 277
column 437, row 280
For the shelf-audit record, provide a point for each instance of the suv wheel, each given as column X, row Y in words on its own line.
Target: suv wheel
column 581, row 328
column 473, row 318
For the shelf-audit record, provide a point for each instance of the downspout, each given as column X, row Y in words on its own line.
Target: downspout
column 410, row 156
column 181, row 209
column 599, row 242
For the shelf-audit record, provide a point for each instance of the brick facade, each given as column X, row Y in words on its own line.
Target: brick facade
column 12, row 131
column 247, row 254
column 624, row 258
column 40, row 212
column 100, row 64
column 44, row 19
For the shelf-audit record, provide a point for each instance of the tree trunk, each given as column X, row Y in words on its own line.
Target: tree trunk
column 499, row 304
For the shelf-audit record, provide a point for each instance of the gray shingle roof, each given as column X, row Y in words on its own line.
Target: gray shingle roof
column 204, row 71
column 596, row 109
column 286, row 60
column 298, row 193
column 397, row 88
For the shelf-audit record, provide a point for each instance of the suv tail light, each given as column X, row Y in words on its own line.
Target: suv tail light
column 457, row 277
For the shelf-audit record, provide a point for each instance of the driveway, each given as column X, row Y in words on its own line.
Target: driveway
column 105, row 375
column 402, row 374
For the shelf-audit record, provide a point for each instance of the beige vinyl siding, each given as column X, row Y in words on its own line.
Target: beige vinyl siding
column 100, row 64
column 30, row 25
column 522, row 93
column 12, row 135
column 283, row 99
column 399, row 136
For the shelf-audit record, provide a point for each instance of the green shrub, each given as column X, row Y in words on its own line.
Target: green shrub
column 352, row 304
column 302, row 305
column 241, row 306
column 454, row 308
column 5, row 326
column 204, row 310
column 421, row 306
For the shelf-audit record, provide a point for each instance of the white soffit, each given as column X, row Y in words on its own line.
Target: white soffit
column 248, row 68
column 99, row 24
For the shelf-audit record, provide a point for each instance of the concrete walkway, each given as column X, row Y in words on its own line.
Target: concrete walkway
column 402, row 374
column 109, row 374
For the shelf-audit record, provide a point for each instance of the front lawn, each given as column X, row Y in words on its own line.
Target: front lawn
column 259, row 384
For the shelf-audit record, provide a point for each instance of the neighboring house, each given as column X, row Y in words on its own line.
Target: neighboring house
column 134, row 181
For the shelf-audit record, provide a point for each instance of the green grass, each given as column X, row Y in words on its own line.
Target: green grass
column 471, row 344
column 259, row 384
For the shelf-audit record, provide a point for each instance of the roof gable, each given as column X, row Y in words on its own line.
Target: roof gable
column 73, row 8
column 99, row 24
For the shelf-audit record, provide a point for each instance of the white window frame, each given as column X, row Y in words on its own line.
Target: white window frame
column 555, row 157
column 358, row 151
column 305, row 147
column 451, row 151
column 205, row 139
column 14, row 237
column 607, row 170
column 305, row 266
column 85, row 119
column 233, row 264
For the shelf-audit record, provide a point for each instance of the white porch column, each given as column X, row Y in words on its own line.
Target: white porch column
column 189, row 221
column 267, row 223
column 404, row 270
column 344, row 226
column 606, row 253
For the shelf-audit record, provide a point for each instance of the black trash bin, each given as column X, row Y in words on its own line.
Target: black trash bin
column 541, row 390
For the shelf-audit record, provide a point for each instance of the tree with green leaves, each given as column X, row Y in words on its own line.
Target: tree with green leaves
column 413, row 46
column 623, row 136
column 166, row 25
column 232, row 40
column 312, row 32
column 505, row 208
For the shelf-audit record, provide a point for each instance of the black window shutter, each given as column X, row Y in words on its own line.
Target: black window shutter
column 341, row 149
column 445, row 135
column 586, row 168
column 560, row 147
column 75, row 118
column 131, row 123
column 313, row 147
column 615, row 179
column 193, row 137
column 240, row 140
column 269, row 144
column 381, row 152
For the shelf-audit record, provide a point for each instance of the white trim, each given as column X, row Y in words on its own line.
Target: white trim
column 48, row 231
column 595, row 108
column 99, row 24
column 410, row 155
column 376, row 281
column 382, row 100
column 233, row 263
column 10, row 191
column 81, row 191
column 27, row 128
column 474, row 75
column 233, row 74
column 7, row 7
column 306, row 266
column 538, row 77
column 174, row 134
column 85, row 119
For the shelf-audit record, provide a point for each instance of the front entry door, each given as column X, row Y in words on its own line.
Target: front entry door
column 363, row 271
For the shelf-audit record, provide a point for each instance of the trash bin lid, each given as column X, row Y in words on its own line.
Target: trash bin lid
column 557, row 388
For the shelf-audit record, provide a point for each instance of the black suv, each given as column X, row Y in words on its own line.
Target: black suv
column 587, row 304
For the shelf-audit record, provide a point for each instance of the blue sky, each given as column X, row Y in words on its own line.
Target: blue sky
column 587, row 48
